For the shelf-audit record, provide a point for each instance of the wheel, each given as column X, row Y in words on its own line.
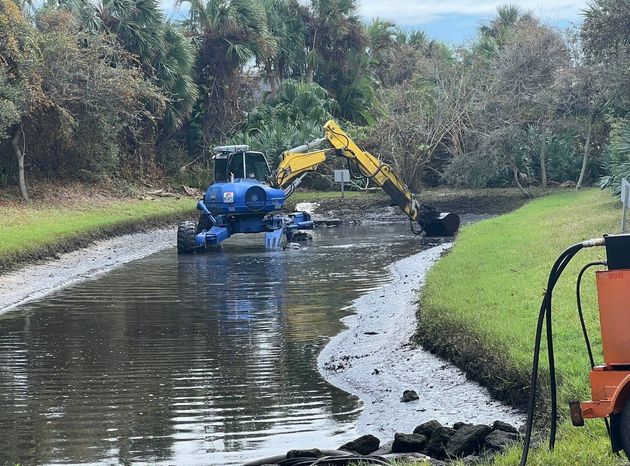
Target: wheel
column 624, row 429
column 203, row 223
column 186, row 232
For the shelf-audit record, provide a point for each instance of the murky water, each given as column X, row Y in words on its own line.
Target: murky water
column 205, row 359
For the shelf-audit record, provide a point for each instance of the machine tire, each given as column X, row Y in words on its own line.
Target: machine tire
column 624, row 429
column 186, row 232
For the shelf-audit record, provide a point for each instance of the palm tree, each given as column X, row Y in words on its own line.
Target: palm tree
column 229, row 34
column 507, row 19
column 166, row 55
column 382, row 36
column 335, row 33
column 286, row 22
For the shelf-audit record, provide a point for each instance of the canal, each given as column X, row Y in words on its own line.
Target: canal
column 204, row 359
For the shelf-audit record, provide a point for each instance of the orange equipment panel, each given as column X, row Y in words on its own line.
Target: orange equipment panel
column 613, row 289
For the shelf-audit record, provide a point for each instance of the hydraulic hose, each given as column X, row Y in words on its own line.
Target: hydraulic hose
column 545, row 306
column 578, row 296
column 587, row 341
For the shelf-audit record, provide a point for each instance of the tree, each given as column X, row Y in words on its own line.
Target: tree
column 98, row 105
column 166, row 55
column 19, row 91
column 517, row 91
column 605, row 39
column 228, row 34
column 287, row 24
column 422, row 118
column 294, row 116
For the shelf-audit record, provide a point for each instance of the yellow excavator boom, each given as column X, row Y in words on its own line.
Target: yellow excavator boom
column 297, row 162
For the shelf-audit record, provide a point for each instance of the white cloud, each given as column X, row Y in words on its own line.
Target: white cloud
column 406, row 12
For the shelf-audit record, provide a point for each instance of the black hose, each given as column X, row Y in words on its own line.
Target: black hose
column 578, row 296
column 552, row 360
column 545, row 308
column 587, row 341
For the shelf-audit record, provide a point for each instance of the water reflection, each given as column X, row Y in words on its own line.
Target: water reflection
column 193, row 359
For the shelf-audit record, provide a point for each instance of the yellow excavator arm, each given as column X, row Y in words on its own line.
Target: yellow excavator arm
column 297, row 162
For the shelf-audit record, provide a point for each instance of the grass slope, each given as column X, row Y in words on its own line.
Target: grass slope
column 480, row 304
column 29, row 232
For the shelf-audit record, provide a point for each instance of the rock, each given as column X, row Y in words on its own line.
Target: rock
column 499, row 440
column 384, row 449
column 312, row 453
column 504, row 426
column 459, row 425
column 427, row 428
column 409, row 395
column 471, row 459
column 409, row 458
column 436, row 447
column 467, row 440
column 409, row 443
column 363, row 445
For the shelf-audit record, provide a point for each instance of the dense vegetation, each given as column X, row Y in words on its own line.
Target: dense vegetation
column 112, row 89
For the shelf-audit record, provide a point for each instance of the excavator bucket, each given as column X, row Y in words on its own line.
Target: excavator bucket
column 442, row 224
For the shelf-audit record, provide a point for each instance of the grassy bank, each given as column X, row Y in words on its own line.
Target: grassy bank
column 480, row 304
column 42, row 230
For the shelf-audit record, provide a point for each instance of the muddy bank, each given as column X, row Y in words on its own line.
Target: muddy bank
column 34, row 281
column 377, row 206
column 374, row 360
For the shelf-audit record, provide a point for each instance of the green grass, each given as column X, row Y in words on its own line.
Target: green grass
column 30, row 230
column 480, row 305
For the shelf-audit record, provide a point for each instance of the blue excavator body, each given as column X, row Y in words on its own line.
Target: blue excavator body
column 240, row 201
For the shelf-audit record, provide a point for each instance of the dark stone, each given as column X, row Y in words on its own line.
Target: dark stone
column 427, row 428
column 384, row 449
column 436, row 448
column 499, row 440
column 363, row 445
column 409, row 395
column 409, row 443
column 467, row 440
column 312, row 453
column 459, row 425
column 408, row 458
column 504, row 426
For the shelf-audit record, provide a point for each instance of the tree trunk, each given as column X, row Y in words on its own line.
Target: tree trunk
column 515, row 172
column 543, row 162
column 309, row 74
column 19, row 155
column 587, row 149
column 271, row 77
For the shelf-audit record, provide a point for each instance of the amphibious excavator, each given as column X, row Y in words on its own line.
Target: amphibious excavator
column 246, row 195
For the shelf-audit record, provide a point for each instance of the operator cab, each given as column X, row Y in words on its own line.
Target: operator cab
column 234, row 162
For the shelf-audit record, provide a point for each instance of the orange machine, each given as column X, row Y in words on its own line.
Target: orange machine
column 610, row 381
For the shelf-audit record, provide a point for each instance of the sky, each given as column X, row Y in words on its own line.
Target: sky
column 455, row 21
column 452, row 21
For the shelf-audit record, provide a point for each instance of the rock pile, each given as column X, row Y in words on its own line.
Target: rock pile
column 439, row 443
column 429, row 443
